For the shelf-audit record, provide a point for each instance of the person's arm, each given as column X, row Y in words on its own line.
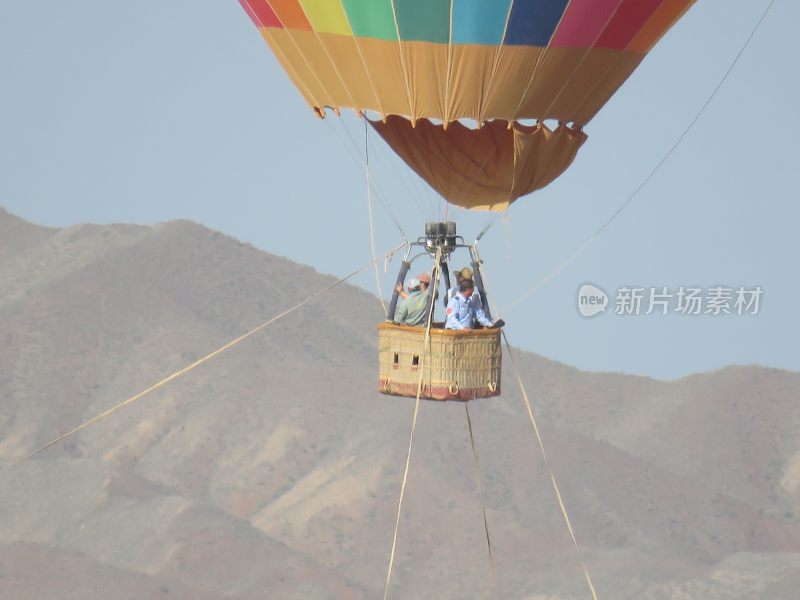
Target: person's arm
column 401, row 314
column 481, row 317
column 452, row 315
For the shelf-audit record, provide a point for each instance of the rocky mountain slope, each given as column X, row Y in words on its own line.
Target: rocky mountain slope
column 273, row 471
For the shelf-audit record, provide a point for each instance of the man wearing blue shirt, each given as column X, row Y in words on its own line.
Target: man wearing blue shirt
column 463, row 311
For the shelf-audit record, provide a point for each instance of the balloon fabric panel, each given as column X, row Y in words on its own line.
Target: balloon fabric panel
column 480, row 22
column 626, row 23
column 486, row 168
column 561, row 71
column 532, row 22
column 583, row 22
column 423, row 20
column 289, row 13
column 371, row 18
column 326, row 16
column 495, row 61
column 261, row 13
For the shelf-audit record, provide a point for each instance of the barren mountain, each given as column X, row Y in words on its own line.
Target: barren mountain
column 273, row 471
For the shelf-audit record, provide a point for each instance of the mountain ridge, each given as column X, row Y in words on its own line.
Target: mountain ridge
column 282, row 449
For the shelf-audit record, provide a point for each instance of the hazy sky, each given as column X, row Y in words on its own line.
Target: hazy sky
column 150, row 111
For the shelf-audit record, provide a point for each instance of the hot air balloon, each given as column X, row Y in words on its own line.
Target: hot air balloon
column 451, row 85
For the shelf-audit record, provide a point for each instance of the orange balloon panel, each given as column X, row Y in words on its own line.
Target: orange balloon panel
column 486, row 168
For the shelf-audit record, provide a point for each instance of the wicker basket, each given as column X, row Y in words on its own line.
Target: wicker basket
column 458, row 365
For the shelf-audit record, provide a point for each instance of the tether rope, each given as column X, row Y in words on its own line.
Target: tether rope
column 207, row 357
column 563, row 265
column 550, row 471
column 478, row 480
column 423, row 356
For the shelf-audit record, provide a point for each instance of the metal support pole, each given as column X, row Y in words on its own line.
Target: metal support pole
column 446, row 280
column 478, row 279
column 401, row 279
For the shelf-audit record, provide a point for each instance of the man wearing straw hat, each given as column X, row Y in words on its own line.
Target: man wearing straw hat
column 465, row 273
column 462, row 311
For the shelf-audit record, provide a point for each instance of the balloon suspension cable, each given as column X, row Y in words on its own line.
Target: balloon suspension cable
column 420, row 196
column 371, row 222
column 208, row 356
column 563, row 265
column 486, row 228
column 423, row 359
column 353, row 156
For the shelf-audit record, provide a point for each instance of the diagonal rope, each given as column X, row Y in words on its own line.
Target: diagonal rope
column 489, row 222
column 479, row 482
column 555, row 272
column 425, row 354
column 553, row 481
column 207, row 357
column 403, row 487
column 544, row 280
column 550, row 471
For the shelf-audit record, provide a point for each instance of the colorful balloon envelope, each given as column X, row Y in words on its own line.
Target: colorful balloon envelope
column 451, row 79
